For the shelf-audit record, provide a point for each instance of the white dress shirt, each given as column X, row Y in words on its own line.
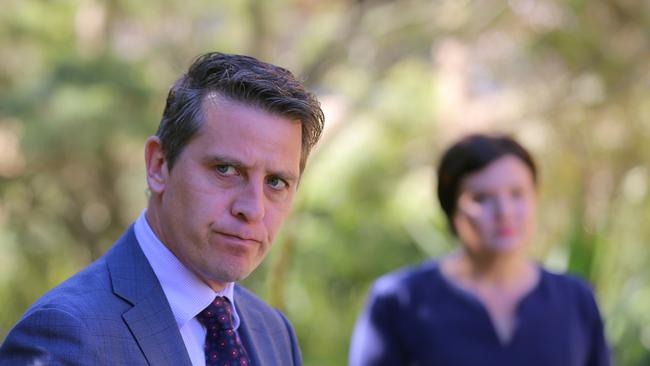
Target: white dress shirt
column 186, row 293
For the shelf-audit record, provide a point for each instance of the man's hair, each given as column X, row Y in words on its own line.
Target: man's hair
column 469, row 155
column 242, row 79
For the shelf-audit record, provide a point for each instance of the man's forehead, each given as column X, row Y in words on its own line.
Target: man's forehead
column 246, row 134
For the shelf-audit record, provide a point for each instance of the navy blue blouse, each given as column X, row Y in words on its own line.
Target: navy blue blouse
column 417, row 317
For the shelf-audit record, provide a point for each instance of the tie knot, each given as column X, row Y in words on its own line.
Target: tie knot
column 218, row 313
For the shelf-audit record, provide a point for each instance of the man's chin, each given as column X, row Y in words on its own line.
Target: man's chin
column 227, row 267
column 231, row 275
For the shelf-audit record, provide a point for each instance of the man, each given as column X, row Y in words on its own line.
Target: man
column 222, row 170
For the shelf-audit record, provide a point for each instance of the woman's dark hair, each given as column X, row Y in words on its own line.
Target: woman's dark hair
column 469, row 155
column 242, row 79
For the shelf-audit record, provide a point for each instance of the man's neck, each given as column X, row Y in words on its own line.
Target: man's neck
column 153, row 220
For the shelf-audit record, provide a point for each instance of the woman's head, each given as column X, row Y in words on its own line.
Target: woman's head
column 487, row 189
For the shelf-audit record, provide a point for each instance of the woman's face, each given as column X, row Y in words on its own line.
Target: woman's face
column 496, row 208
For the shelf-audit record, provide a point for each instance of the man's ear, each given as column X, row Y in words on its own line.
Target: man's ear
column 157, row 172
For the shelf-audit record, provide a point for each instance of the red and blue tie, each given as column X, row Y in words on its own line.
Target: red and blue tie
column 222, row 344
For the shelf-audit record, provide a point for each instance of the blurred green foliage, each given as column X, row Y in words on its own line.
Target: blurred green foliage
column 82, row 83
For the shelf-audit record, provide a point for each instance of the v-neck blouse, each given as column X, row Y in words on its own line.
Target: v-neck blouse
column 415, row 316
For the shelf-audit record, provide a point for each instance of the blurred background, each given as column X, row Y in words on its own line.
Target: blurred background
column 83, row 83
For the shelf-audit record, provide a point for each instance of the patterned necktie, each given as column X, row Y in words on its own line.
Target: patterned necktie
column 222, row 344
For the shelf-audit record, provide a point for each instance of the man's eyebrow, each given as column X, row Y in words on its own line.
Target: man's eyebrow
column 224, row 159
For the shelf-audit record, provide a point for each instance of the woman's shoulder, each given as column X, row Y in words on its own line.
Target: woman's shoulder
column 571, row 288
column 407, row 278
column 573, row 292
column 565, row 281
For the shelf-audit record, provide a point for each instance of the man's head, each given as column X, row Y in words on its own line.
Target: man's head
column 225, row 163
column 243, row 79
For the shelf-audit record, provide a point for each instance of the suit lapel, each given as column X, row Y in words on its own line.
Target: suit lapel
column 263, row 337
column 252, row 337
column 150, row 319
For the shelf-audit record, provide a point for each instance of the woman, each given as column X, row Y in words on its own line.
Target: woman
column 487, row 303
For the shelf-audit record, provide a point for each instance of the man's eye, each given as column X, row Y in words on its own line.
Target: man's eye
column 225, row 169
column 276, row 183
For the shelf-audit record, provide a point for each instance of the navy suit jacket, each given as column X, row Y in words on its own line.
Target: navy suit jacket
column 114, row 312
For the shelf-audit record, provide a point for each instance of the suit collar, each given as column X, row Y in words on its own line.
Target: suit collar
column 150, row 319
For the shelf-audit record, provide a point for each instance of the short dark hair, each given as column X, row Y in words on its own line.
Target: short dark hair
column 469, row 155
column 242, row 79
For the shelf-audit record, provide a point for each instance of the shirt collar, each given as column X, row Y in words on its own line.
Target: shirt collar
column 186, row 293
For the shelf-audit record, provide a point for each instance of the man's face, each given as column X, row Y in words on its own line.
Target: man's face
column 220, row 206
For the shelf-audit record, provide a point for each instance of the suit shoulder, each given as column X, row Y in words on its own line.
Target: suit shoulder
column 79, row 293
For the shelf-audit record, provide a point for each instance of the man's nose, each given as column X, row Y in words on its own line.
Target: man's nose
column 248, row 205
